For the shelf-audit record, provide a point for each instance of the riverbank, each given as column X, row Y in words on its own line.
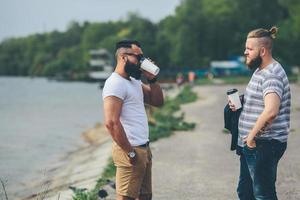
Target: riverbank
column 81, row 168
column 41, row 122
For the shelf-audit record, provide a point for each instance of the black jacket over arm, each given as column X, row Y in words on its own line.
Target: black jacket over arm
column 231, row 122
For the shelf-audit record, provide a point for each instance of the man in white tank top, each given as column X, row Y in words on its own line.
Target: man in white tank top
column 124, row 96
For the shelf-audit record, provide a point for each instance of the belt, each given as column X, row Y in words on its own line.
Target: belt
column 145, row 145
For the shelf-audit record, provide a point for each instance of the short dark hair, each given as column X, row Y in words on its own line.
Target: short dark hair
column 127, row 44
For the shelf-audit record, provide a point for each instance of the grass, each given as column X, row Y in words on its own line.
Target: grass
column 165, row 121
column 204, row 81
column 224, row 80
column 294, row 78
column 236, row 80
column 83, row 194
column 162, row 123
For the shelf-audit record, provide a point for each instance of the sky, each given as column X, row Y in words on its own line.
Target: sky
column 20, row 18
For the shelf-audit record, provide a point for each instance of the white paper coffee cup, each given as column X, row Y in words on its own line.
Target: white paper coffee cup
column 148, row 66
column 234, row 97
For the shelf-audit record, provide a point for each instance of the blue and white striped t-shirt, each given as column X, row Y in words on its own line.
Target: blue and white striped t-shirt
column 268, row 80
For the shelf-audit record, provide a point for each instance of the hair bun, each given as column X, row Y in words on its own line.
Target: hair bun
column 273, row 32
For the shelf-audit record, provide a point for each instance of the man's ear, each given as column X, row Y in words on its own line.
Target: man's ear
column 123, row 58
column 263, row 51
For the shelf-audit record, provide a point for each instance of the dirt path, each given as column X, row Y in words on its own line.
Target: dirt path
column 199, row 164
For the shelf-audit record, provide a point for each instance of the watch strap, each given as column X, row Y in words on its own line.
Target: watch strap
column 151, row 81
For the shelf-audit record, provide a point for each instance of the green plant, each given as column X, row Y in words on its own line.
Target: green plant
column 165, row 121
column 109, row 170
column 83, row 194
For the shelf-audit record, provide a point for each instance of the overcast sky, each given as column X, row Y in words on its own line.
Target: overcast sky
column 24, row 17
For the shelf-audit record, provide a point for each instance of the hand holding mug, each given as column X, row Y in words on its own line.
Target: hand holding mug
column 234, row 99
column 149, row 66
column 231, row 105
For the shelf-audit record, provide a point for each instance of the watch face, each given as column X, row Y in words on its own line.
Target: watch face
column 131, row 154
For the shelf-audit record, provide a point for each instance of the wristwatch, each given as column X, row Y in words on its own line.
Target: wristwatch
column 131, row 154
column 151, row 81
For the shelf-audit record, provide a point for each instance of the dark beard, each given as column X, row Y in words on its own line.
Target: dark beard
column 133, row 70
column 255, row 63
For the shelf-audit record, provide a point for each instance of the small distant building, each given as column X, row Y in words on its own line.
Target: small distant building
column 100, row 65
column 228, row 68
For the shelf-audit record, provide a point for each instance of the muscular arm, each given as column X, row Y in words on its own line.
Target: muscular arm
column 153, row 94
column 112, row 110
column 272, row 104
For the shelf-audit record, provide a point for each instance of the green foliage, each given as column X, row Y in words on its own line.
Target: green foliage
column 204, row 81
column 84, row 194
column 166, row 120
column 109, row 171
column 186, row 96
column 198, row 32
column 236, row 79
column 294, row 79
column 225, row 80
column 144, row 31
column 226, row 131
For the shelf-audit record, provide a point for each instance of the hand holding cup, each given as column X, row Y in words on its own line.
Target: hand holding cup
column 234, row 99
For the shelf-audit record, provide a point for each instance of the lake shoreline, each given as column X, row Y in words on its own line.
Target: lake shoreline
column 80, row 168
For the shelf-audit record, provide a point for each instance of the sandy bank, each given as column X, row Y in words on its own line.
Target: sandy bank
column 80, row 168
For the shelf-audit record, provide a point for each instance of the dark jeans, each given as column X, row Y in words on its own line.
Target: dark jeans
column 258, row 170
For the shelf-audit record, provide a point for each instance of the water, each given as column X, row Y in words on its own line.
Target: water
column 40, row 121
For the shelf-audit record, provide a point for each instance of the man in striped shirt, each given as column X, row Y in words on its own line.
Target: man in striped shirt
column 264, row 122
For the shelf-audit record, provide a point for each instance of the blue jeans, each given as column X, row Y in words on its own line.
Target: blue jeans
column 258, row 170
